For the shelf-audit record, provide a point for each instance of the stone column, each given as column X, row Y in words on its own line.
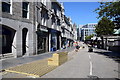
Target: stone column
column 19, row 42
column 14, row 46
column 30, row 40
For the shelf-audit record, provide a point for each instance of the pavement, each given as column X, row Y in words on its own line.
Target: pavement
column 35, row 69
column 22, row 60
column 11, row 65
column 81, row 64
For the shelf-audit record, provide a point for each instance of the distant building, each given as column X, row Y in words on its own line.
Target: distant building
column 79, row 36
column 86, row 30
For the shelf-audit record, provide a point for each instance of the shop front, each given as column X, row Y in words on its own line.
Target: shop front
column 55, row 40
column 63, row 42
column 42, row 40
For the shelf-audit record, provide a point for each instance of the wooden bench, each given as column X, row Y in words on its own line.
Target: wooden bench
column 58, row 58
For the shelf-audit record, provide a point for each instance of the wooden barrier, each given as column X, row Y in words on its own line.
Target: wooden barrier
column 58, row 58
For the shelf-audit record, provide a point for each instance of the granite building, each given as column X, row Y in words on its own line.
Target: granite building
column 17, row 22
column 30, row 28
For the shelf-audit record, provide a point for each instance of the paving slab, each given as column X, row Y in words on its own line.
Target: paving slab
column 35, row 69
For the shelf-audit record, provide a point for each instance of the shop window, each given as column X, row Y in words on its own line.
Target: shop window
column 41, row 43
column 25, row 10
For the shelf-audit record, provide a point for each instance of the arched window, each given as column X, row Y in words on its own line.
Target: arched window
column 7, row 39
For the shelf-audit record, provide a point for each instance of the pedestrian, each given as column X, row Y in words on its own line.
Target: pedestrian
column 77, row 47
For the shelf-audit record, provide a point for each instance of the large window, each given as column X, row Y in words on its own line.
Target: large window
column 7, row 39
column 7, row 6
column 3, row 40
column 25, row 10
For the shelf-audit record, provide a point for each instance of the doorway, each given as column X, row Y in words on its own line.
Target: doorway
column 41, row 45
column 7, row 37
column 24, row 35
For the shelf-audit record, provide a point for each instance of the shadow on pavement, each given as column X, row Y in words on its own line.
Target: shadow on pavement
column 109, row 54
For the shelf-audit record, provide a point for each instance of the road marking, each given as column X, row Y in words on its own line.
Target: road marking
column 90, row 68
column 37, row 76
column 90, row 64
column 89, row 57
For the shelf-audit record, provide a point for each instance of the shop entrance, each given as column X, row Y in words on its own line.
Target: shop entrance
column 42, row 39
column 41, row 44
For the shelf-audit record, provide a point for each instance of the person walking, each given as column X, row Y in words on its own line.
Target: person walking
column 77, row 47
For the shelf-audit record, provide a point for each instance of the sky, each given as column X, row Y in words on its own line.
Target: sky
column 81, row 12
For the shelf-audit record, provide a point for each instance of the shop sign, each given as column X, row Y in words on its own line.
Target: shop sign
column 44, row 29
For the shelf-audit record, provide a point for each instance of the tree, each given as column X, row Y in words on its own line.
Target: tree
column 111, row 10
column 107, row 11
column 88, row 37
column 104, row 27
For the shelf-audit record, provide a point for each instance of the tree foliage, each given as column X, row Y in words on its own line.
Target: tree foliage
column 88, row 37
column 110, row 10
column 104, row 27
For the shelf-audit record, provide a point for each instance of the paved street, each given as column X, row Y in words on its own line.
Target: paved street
column 82, row 64
column 85, row 64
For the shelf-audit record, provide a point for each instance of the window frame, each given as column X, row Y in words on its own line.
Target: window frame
column 9, row 3
column 25, row 11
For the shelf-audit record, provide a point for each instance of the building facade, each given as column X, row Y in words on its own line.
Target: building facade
column 30, row 28
column 86, row 30
column 42, row 25
column 17, row 22
column 79, row 33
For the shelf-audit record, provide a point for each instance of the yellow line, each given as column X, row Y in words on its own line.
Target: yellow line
column 22, row 73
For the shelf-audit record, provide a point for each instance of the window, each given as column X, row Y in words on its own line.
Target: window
column 53, row 20
column 7, row 6
column 58, row 22
column 25, row 10
column 44, row 17
column 44, row 2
